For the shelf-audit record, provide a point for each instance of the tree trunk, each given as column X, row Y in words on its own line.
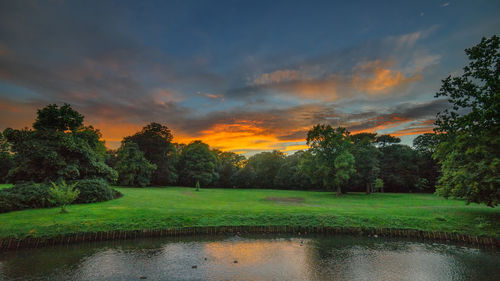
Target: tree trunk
column 368, row 188
column 339, row 191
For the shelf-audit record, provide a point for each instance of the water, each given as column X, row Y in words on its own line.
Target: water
column 253, row 258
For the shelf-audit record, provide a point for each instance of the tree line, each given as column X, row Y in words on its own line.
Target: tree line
column 461, row 159
column 56, row 149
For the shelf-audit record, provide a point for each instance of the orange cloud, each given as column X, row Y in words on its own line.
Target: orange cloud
column 376, row 77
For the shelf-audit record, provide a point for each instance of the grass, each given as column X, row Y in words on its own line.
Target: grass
column 153, row 208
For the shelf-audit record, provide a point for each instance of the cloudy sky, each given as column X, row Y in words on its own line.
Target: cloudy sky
column 244, row 76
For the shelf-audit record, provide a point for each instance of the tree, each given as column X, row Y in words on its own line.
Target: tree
column 59, row 147
column 229, row 163
column 132, row 167
column 263, row 168
column 198, row 163
column 290, row 175
column 399, row 168
column 428, row 167
column 366, row 158
column 379, row 185
column 469, row 146
column 5, row 158
column 62, row 194
column 331, row 146
column 155, row 141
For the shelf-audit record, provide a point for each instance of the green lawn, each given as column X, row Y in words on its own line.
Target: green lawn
column 146, row 208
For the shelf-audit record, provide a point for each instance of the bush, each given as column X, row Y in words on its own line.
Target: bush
column 95, row 190
column 62, row 194
column 32, row 195
column 24, row 196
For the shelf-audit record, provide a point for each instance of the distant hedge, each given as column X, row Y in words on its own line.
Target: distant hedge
column 32, row 195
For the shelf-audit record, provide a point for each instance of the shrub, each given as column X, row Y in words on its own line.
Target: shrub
column 62, row 194
column 32, row 195
column 24, row 196
column 95, row 190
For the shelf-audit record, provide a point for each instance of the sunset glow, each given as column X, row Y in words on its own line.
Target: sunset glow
column 250, row 81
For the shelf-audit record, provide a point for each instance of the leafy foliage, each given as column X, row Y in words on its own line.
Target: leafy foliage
column 198, row 163
column 95, row 190
column 58, row 148
column 30, row 195
column 6, row 161
column 155, row 141
column 132, row 167
column 24, row 196
column 366, row 157
column 469, row 148
column 62, row 194
column 331, row 146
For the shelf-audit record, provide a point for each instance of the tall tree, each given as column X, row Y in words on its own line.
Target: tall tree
column 198, row 163
column 132, row 167
column 428, row 167
column 290, row 175
column 263, row 168
column 469, row 148
column 59, row 147
column 229, row 163
column 332, row 146
column 366, row 156
column 5, row 158
column 155, row 141
column 399, row 168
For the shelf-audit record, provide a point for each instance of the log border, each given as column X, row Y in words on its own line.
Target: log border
column 111, row 235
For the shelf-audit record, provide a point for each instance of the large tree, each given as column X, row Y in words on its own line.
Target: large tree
column 469, row 148
column 198, row 164
column 155, row 141
column 367, row 160
column 229, row 163
column 263, row 167
column 5, row 158
column 332, row 146
column 428, row 167
column 59, row 147
column 132, row 167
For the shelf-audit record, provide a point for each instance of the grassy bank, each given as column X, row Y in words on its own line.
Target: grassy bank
column 146, row 208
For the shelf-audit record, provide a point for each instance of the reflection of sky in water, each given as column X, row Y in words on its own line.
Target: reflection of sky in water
column 320, row 258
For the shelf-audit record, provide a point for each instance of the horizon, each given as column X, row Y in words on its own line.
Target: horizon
column 240, row 76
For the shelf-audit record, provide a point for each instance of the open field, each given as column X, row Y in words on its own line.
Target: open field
column 146, row 208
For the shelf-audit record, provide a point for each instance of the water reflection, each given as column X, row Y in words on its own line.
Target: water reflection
column 253, row 258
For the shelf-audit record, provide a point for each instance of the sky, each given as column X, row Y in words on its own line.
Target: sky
column 242, row 76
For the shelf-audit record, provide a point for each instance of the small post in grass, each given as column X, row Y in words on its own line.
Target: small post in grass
column 197, row 185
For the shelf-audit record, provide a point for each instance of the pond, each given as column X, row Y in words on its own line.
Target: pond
column 250, row 257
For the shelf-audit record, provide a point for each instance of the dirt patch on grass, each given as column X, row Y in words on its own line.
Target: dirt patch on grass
column 285, row 199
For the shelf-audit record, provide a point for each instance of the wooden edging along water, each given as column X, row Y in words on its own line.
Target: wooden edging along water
column 35, row 242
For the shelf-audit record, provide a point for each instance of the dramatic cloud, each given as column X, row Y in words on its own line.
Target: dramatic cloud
column 248, row 86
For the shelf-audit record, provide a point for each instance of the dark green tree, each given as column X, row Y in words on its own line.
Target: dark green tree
column 229, row 163
column 198, row 163
column 6, row 161
column 428, row 167
column 155, row 141
column 132, row 167
column 366, row 156
column 59, row 148
column 264, row 167
column 332, row 146
column 469, row 147
column 399, row 168
column 290, row 175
